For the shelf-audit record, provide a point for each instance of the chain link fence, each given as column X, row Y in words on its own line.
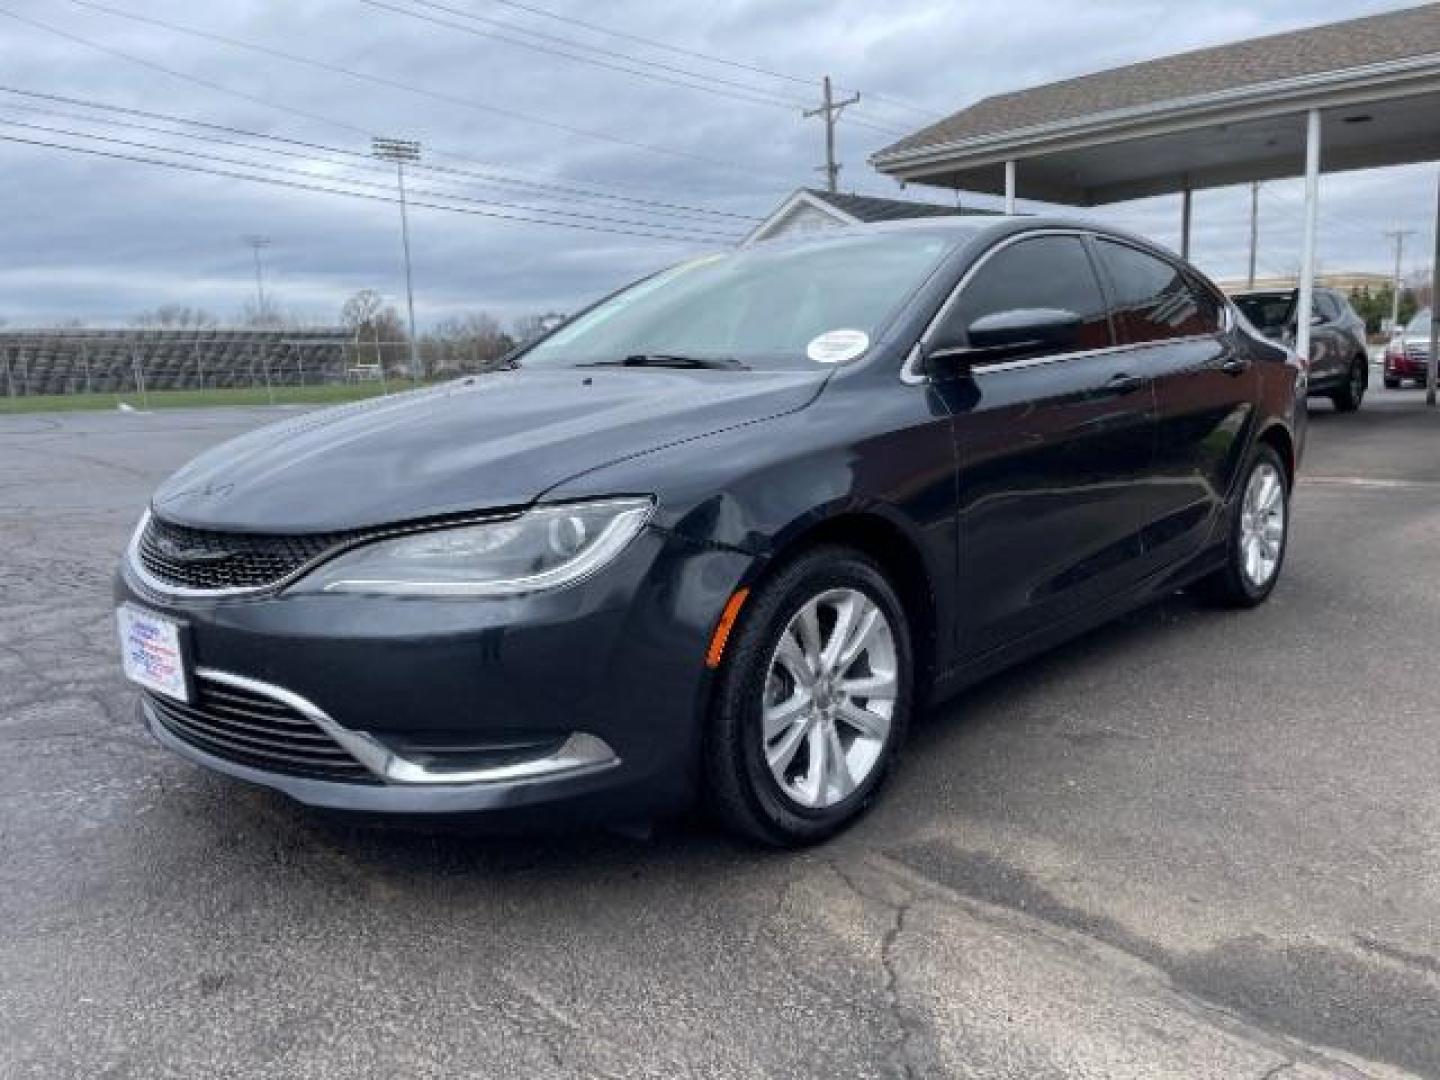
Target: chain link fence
column 69, row 369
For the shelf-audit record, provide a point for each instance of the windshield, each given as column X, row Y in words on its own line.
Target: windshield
column 1267, row 311
column 1419, row 325
column 761, row 304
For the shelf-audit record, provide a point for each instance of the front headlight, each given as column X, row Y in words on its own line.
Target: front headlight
column 544, row 548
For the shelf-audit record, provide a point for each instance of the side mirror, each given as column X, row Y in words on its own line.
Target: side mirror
column 1006, row 335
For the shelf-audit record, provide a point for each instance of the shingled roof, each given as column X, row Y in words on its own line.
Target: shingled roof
column 869, row 208
column 1355, row 43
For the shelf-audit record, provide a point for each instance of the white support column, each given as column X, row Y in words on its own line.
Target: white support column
column 1185, row 205
column 1010, row 187
column 1433, row 367
column 1304, row 302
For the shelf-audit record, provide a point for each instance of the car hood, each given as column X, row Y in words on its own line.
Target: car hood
column 485, row 442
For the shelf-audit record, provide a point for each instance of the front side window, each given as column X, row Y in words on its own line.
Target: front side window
column 1153, row 300
column 1046, row 273
column 761, row 305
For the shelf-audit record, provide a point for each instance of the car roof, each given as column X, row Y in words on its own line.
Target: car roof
column 986, row 229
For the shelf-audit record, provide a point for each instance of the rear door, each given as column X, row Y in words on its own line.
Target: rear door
column 1052, row 447
column 1176, row 331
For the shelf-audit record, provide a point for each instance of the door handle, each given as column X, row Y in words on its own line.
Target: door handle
column 1235, row 366
column 1123, row 383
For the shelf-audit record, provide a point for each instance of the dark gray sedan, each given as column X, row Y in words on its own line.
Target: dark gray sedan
column 1339, row 360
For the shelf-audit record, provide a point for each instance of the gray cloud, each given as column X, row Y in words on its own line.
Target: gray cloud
column 103, row 239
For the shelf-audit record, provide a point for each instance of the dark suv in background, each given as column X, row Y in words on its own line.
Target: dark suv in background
column 1339, row 361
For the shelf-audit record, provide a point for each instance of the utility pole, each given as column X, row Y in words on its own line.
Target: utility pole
column 400, row 151
column 1432, row 365
column 1254, row 230
column 830, row 111
column 1397, row 235
column 258, row 242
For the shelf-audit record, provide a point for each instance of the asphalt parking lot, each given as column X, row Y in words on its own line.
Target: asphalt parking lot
column 1194, row 844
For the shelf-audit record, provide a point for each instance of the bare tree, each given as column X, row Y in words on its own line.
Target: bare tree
column 1420, row 284
column 177, row 317
column 379, row 334
column 469, row 343
column 361, row 309
column 529, row 327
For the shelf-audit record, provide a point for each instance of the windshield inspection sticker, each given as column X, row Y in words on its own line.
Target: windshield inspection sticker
column 837, row 346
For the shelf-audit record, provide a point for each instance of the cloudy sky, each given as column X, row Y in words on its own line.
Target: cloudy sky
column 677, row 147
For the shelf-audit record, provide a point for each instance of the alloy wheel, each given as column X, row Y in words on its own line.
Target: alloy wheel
column 829, row 698
column 1262, row 525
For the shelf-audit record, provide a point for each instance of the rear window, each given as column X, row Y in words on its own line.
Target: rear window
column 1267, row 311
column 1153, row 300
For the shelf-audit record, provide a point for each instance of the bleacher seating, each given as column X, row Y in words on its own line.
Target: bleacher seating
column 106, row 361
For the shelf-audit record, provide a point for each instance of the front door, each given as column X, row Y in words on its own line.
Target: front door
column 1052, row 447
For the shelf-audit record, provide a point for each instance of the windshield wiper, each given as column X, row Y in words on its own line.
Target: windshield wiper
column 673, row 360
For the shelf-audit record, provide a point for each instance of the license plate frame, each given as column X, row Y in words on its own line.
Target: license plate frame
column 153, row 651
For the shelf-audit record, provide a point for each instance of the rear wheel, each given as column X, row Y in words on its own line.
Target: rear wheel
column 1391, row 384
column 812, row 702
column 1349, row 396
column 1255, row 548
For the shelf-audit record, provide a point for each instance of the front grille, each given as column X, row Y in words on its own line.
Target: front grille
column 253, row 729
column 198, row 559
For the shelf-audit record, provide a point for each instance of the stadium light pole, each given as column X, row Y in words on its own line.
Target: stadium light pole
column 400, row 151
column 257, row 243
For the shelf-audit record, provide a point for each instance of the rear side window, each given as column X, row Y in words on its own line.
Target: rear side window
column 1153, row 299
column 1043, row 272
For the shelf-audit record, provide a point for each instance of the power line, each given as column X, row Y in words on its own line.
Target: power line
column 321, row 188
column 363, row 161
column 220, row 88
column 707, row 57
column 379, row 80
column 269, row 167
column 764, row 97
column 750, row 93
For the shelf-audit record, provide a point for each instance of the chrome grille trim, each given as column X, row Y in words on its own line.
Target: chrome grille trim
column 358, row 755
column 273, row 734
column 254, row 563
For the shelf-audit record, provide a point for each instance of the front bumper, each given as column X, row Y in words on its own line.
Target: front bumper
column 608, row 673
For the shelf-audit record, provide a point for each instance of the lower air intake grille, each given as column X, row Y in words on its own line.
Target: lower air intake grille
column 253, row 729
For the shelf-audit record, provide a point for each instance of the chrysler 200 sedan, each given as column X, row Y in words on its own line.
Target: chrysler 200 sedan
column 720, row 535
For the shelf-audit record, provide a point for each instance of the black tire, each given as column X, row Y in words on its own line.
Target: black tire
column 740, row 788
column 1348, row 397
column 1230, row 586
column 1391, row 384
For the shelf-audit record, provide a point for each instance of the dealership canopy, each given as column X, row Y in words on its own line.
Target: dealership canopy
column 1350, row 95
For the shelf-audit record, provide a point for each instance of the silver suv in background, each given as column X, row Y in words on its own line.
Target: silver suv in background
column 1338, row 361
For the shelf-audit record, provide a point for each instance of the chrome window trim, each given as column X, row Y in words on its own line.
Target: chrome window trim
column 581, row 752
column 911, row 374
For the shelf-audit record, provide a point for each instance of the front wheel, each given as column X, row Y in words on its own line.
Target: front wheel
column 1349, row 396
column 1255, row 548
column 812, row 702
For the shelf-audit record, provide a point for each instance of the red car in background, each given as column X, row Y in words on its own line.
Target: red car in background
column 1408, row 354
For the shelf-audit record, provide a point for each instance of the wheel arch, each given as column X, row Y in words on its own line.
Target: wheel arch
column 898, row 554
column 1278, row 438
